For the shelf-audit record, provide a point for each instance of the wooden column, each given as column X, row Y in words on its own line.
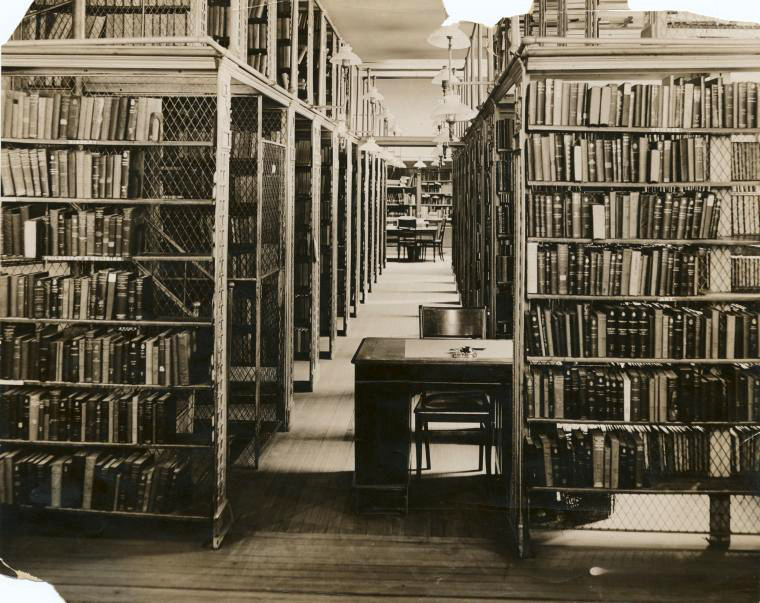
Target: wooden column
column 294, row 46
column 310, row 53
column 79, row 19
column 322, row 60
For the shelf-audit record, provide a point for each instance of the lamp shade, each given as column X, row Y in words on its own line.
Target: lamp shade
column 370, row 146
column 453, row 109
column 441, row 137
column 444, row 75
column 420, row 164
column 346, row 57
column 441, row 37
column 374, row 95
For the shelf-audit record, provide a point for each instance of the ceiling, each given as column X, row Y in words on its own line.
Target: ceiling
column 389, row 29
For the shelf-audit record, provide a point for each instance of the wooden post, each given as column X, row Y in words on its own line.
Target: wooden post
column 80, row 19
column 322, row 60
column 272, row 39
column 235, row 28
column 198, row 18
column 294, row 40
column 479, row 50
column 515, row 36
column 310, row 52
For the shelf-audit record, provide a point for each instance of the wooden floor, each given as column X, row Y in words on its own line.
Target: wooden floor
column 296, row 539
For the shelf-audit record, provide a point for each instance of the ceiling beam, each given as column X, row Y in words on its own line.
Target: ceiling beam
column 409, row 68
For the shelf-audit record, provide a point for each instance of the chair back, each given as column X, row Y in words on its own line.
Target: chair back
column 407, row 223
column 455, row 323
column 441, row 230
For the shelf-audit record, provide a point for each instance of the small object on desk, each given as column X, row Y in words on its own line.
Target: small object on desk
column 465, row 351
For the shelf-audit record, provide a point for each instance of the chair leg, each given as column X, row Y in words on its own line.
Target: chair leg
column 489, row 444
column 480, row 449
column 418, row 445
column 427, row 446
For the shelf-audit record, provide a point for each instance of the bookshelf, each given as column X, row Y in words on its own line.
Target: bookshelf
column 401, row 192
column 307, row 253
column 328, row 239
column 181, row 289
column 657, row 422
column 345, row 220
column 436, row 191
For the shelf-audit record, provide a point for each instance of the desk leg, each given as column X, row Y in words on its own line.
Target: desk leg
column 383, row 440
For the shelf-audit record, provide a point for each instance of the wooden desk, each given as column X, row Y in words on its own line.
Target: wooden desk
column 388, row 373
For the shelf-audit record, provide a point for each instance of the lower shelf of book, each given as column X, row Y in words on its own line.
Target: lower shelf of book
column 189, row 517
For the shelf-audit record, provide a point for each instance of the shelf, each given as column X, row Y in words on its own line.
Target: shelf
column 127, row 258
column 168, row 516
column 691, row 486
column 108, row 143
column 70, row 444
column 726, row 242
column 75, row 385
column 109, row 201
column 117, row 322
column 642, row 130
column 706, row 298
column 587, row 184
column 542, row 420
column 597, row 360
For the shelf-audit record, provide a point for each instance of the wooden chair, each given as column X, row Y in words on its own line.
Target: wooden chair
column 436, row 244
column 453, row 406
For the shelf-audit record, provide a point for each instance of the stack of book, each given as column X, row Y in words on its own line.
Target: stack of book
column 618, row 158
column 79, row 355
column 638, row 459
column 81, row 174
column 636, row 330
column 103, row 295
column 564, row 269
column 63, row 416
column 626, row 215
column 257, row 36
column 146, row 482
column 97, row 232
column 49, row 116
column 656, row 395
column 699, row 102
column 745, row 164
column 745, row 273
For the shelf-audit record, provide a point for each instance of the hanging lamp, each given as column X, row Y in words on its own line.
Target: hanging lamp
column 370, row 146
column 346, row 57
column 451, row 108
column 444, row 75
column 420, row 165
column 449, row 36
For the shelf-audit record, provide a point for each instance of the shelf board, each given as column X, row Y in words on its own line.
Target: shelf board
column 597, row 360
column 728, row 241
column 589, row 184
column 708, row 297
column 69, row 444
column 127, row 258
column 642, row 130
column 168, row 516
column 694, row 486
column 109, row 143
column 77, row 385
column 543, row 420
column 117, row 322
column 108, row 201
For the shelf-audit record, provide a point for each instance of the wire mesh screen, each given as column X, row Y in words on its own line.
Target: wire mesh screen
column 47, row 20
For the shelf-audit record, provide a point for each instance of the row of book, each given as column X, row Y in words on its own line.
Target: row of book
column 303, row 152
column 625, row 215
column 656, row 395
column 745, row 214
column 590, row 270
column 745, row 160
column 745, row 273
column 505, row 134
column 40, row 415
column 51, row 115
column 643, row 331
column 244, row 144
column 618, row 158
column 702, row 102
column 257, row 45
column 216, row 18
column 79, row 355
column 104, row 295
column 147, row 482
column 67, row 173
column 637, row 459
column 65, row 232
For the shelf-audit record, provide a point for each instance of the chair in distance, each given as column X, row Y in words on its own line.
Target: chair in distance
column 436, row 244
column 453, row 406
column 407, row 240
